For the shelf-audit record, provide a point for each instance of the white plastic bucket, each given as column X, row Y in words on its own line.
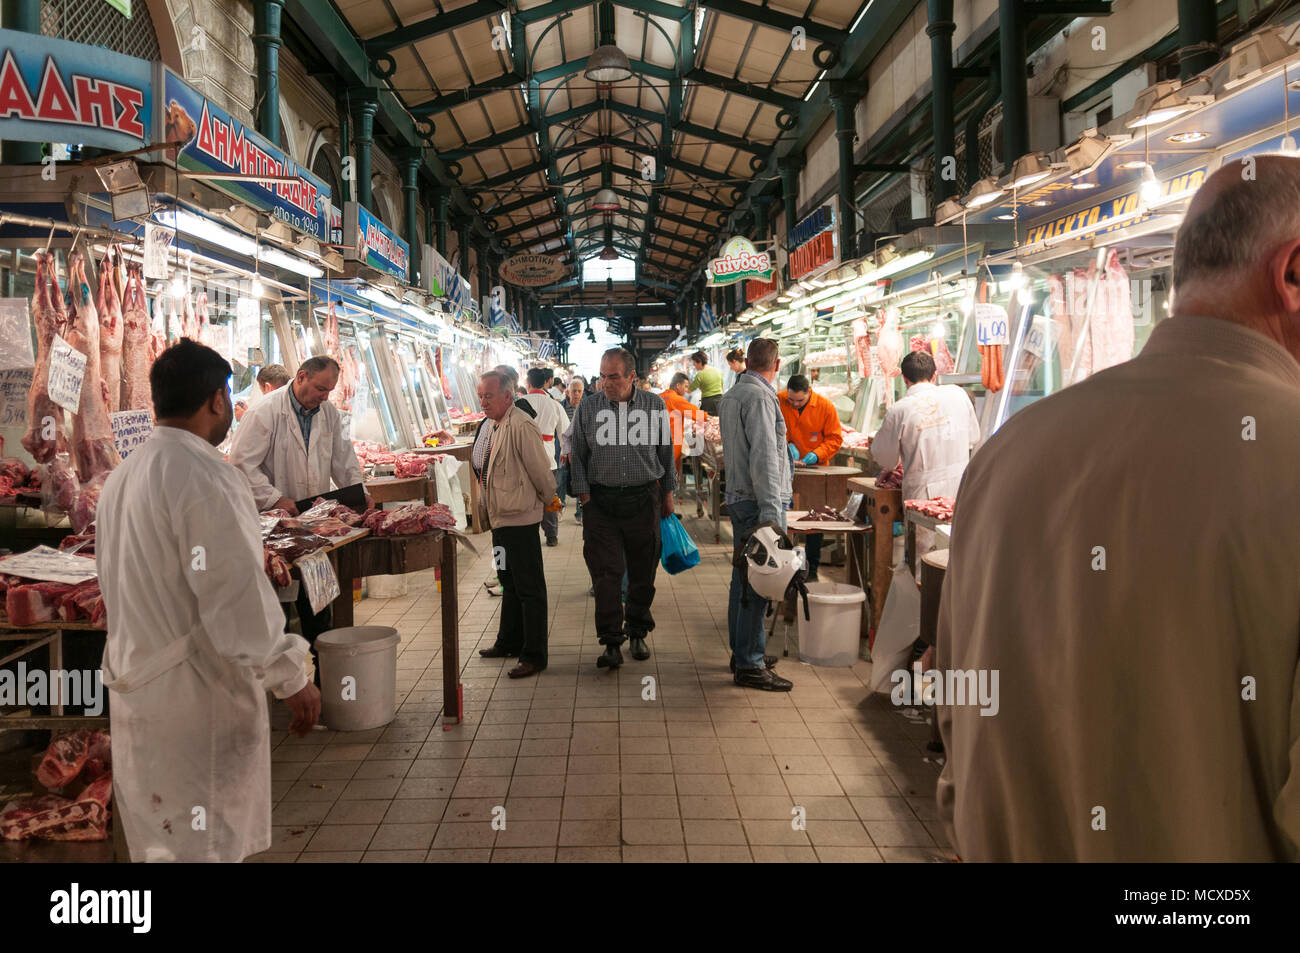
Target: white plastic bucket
column 831, row 634
column 358, row 677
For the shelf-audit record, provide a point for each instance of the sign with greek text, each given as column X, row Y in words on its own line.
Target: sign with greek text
column 739, row 261
column 990, row 324
column 1040, row 341
column 67, row 370
column 319, row 578
column 131, row 428
column 157, row 246
column 211, row 140
column 373, row 243
column 15, row 382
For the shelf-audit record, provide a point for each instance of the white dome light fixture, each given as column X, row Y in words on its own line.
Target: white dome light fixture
column 606, row 200
column 608, row 64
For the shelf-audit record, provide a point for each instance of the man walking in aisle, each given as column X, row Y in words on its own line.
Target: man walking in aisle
column 758, row 491
column 195, row 638
column 1172, row 627
column 513, row 467
column 551, row 421
column 621, row 469
column 572, row 398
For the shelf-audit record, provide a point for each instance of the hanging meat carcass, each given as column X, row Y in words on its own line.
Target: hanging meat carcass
column 45, row 417
column 92, row 432
column 137, row 344
column 1112, row 320
column 110, row 335
column 332, row 347
column 862, row 347
column 889, row 345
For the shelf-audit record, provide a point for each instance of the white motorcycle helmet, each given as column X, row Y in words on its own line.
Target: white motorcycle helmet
column 773, row 562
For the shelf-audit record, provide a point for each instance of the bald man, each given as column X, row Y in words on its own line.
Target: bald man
column 1132, row 694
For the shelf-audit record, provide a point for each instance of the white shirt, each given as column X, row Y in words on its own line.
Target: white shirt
column 932, row 430
column 1122, row 684
column 552, row 420
column 179, row 554
column 268, row 448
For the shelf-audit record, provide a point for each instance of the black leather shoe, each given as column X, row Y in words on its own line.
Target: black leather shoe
column 495, row 652
column 640, row 651
column 764, row 679
column 768, row 660
column 612, row 658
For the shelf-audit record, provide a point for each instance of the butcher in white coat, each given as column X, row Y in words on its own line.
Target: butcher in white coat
column 291, row 445
column 195, row 635
column 931, row 430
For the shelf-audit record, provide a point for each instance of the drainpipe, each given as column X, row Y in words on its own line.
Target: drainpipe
column 266, row 37
column 410, row 192
column 441, row 203
column 1015, row 84
column 940, row 31
column 345, row 151
column 1198, row 37
column 843, row 100
column 25, row 17
column 365, row 109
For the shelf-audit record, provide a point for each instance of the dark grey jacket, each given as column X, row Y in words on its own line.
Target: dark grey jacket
column 754, row 441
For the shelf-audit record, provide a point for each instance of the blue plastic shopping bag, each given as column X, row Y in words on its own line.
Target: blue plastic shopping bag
column 679, row 550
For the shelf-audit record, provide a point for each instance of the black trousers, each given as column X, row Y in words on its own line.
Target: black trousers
column 621, row 533
column 312, row 623
column 523, row 593
column 710, row 405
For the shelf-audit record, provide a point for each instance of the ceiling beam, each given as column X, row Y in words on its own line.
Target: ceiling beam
column 721, row 138
column 490, row 142
column 680, row 196
column 765, row 16
column 526, row 202
column 752, row 90
column 510, row 175
column 435, row 25
column 458, row 97
column 683, row 220
column 704, row 172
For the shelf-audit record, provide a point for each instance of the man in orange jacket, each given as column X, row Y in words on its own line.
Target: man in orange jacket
column 812, row 426
column 680, row 410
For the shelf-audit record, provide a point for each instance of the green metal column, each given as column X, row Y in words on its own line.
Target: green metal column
column 441, row 202
column 410, row 192
column 25, row 17
column 843, row 101
column 484, row 276
column 940, row 31
column 348, row 192
column 266, row 38
column 1015, row 82
column 364, row 108
column 1198, row 37
column 789, row 167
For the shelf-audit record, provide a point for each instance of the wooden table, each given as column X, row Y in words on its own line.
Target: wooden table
column 822, row 486
column 396, row 489
column 880, row 509
column 51, row 634
column 463, row 453
column 855, row 539
column 911, row 520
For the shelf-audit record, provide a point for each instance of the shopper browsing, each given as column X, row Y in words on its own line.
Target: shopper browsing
column 572, row 398
column 1145, row 643
column 513, row 467
column 812, row 426
column 552, row 422
column 758, row 492
column 736, row 361
column 196, row 638
column 708, row 381
column 622, row 471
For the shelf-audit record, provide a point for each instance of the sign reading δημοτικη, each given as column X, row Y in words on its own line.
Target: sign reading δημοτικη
column 739, row 261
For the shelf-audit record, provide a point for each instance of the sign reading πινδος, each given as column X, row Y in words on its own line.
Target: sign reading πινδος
column 371, row 242
column 739, row 260
column 67, row 371
column 131, row 428
column 213, row 141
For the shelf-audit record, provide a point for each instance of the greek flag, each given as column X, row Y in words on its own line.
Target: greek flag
column 708, row 322
column 546, row 350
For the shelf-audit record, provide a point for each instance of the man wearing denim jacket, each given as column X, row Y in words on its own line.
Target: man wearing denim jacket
column 758, row 491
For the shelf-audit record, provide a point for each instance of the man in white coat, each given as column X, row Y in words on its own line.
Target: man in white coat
column 553, row 422
column 932, row 430
column 291, row 447
column 1124, row 561
column 195, row 636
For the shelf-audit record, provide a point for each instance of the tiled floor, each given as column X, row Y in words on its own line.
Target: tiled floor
column 587, row 766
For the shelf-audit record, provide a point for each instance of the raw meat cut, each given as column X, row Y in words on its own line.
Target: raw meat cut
column 65, row 757
column 92, row 433
column 14, row 470
column 410, row 519
column 82, row 543
column 891, row 480
column 82, row 513
column 35, row 602
column 137, row 343
column 862, row 347
column 408, row 465
column 57, row 818
column 50, row 319
column 277, row 570
column 332, row 333
column 85, row 603
column 322, row 508
column 98, row 762
column 329, row 526
column 889, row 345
column 110, row 335
column 940, row 507
column 1112, row 322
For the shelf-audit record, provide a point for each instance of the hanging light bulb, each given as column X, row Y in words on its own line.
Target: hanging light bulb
column 1016, row 280
column 256, row 290
column 178, row 285
column 1149, row 191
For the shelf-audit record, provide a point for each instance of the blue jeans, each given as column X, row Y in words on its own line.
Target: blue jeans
column 745, row 607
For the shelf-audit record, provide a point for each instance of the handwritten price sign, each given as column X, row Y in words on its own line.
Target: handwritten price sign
column 131, row 428
column 14, row 385
column 991, row 324
column 319, row 578
column 67, row 371
column 1039, row 341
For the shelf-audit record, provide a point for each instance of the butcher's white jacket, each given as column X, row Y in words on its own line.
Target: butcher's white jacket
column 551, row 420
column 195, row 640
column 269, row 450
column 931, row 430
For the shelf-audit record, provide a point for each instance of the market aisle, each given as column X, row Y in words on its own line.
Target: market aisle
column 588, row 770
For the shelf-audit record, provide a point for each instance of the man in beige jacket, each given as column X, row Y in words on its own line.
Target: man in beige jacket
column 516, row 484
column 1124, row 559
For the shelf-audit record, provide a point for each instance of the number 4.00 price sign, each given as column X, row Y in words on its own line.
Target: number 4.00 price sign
column 990, row 324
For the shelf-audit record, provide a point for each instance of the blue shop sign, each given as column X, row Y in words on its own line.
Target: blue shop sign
column 810, row 227
column 56, row 91
column 371, row 242
column 213, row 141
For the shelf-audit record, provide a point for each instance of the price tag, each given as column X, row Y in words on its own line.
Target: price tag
column 991, row 324
column 14, row 387
column 319, row 578
column 131, row 428
column 67, row 370
column 1039, row 341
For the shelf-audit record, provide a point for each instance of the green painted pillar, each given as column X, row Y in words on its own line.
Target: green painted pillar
column 411, row 160
column 364, row 109
column 441, row 205
column 843, row 101
column 266, row 39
